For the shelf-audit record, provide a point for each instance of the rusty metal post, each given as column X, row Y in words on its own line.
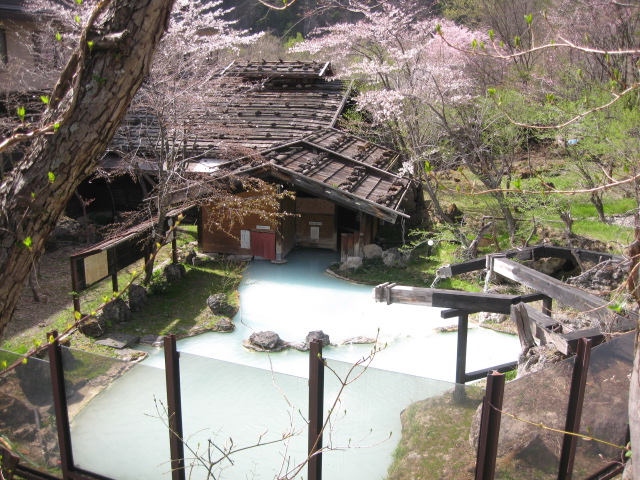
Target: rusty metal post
column 60, row 404
column 490, row 427
column 574, row 409
column 174, row 407
column 316, row 406
column 75, row 287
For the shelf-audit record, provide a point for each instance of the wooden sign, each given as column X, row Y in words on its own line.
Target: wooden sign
column 96, row 267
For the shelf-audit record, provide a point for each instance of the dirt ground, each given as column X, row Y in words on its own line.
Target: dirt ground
column 55, row 283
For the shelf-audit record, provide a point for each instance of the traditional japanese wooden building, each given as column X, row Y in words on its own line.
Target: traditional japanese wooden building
column 284, row 122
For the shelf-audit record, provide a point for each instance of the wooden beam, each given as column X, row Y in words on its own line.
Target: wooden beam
column 549, row 330
column 566, row 294
column 433, row 297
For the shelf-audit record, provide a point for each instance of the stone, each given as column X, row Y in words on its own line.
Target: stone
column 607, row 275
column 351, row 263
column 395, row 258
column 548, row 266
column 118, row 340
column 317, row 335
column 454, row 213
column 191, row 256
column 224, row 325
column 487, row 317
column 219, row 304
column 174, row 272
column 447, row 329
column 116, row 312
column 359, row 341
column 67, row 231
column 268, row 340
column 137, row 298
column 93, row 327
column 152, row 340
column 372, row 251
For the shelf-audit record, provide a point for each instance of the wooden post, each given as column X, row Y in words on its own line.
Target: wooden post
column 60, row 404
column 547, row 306
column 574, row 409
column 461, row 358
column 75, row 285
column 114, row 269
column 520, row 317
column 174, row 242
column 316, row 414
column 490, row 427
column 174, row 407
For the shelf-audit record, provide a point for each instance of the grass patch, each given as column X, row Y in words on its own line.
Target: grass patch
column 180, row 310
column 435, row 438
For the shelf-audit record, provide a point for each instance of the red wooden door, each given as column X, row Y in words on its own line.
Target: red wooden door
column 263, row 244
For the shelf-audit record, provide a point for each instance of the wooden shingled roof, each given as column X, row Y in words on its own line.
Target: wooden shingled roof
column 285, row 111
column 240, row 114
column 331, row 164
column 280, row 69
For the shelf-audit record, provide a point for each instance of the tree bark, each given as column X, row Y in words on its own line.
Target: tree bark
column 89, row 101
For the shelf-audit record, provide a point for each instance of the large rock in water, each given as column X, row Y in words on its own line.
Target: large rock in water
column 116, row 312
column 270, row 341
column 137, row 298
column 219, row 304
column 317, row 335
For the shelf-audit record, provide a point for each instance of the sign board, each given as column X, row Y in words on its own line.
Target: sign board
column 96, row 267
column 315, row 223
column 315, row 233
column 245, row 239
column 263, row 227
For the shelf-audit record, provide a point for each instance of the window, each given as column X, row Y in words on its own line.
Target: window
column 4, row 57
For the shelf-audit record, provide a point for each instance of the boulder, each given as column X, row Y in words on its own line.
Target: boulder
column 174, row 272
column 116, row 312
column 66, row 231
column 93, row 327
column 372, row 251
column 268, row 341
column 219, row 304
column 224, row 325
column 317, row 335
column 454, row 213
column 137, row 298
column 190, row 257
column 486, row 317
column 351, row 263
column 359, row 341
column 607, row 275
column 548, row 266
column 394, row 257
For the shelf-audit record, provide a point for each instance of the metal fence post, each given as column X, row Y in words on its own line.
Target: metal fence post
column 574, row 409
column 60, row 404
column 490, row 427
column 174, row 407
column 316, row 406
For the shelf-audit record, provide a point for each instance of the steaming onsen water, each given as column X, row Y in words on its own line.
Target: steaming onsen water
column 231, row 392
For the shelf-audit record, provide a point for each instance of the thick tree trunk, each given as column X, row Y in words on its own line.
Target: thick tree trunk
column 91, row 98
